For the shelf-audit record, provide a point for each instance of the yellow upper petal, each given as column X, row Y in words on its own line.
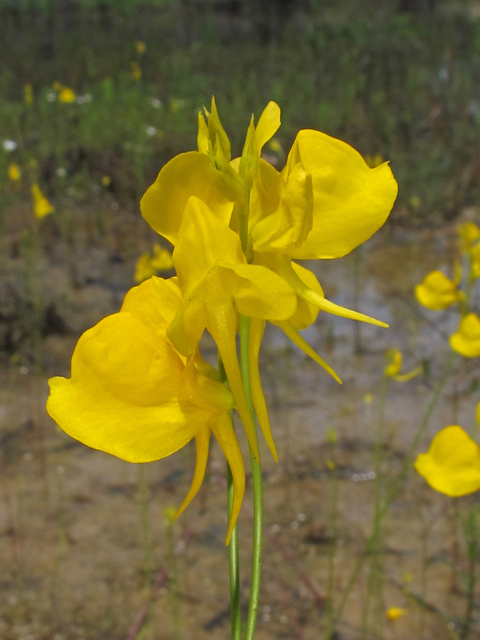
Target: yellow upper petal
column 351, row 201
column 466, row 341
column 268, row 124
column 452, row 464
column 188, row 174
column 203, row 241
column 290, row 224
column 436, row 291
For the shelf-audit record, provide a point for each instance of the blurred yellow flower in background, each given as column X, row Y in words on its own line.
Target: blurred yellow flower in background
column 468, row 233
column 14, row 172
column 438, row 292
column 67, row 95
column 41, row 205
column 452, row 464
column 394, row 613
column 28, row 94
column 106, row 180
column 374, row 161
column 394, row 364
column 140, row 46
column 466, row 341
column 136, row 70
column 148, row 265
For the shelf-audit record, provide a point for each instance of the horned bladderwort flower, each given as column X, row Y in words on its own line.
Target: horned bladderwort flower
column 452, row 464
column 324, row 203
column 133, row 395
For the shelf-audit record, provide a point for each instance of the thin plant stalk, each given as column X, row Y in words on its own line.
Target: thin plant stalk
column 234, row 565
column 257, row 487
column 394, row 487
column 333, row 540
column 471, row 533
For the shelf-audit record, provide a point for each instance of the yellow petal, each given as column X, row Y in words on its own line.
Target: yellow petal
column 268, row 125
column 203, row 241
column 468, row 233
column 154, row 302
column 289, row 226
column 125, row 395
column 162, row 259
column 41, row 206
column 351, row 201
column 306, row 313
column 466, row 341
column 297, row 339
column 257, row 327
column 436, row 291
column 258, row 292
column 225, row 434
column 452, row 464
column 394, row 358
column 188, row 174
column 202, row 440
column 222, row 325
column 143, row 268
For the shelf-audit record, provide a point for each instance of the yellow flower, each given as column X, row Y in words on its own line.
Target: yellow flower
column 322, row 205
column 475, row 261
column 394, row 364
column 415, row 202
column 67, row 96
column 136, row 70
column 452, row 464
column 468, row 233
column 131, row 394
column 217, row 282
column 140, row 46
column 466, row 341
column 143, row 268
column 106, row 180
column 394, row 613
column 162, row 259
column 28, row 94
column 14, row 172
column 41, row 206
column 439, row 292
column 147, row 266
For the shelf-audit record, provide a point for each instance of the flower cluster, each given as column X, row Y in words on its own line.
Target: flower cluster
column 139, row 388
column 438, row 292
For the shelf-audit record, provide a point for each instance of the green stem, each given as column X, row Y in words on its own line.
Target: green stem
column 257, row 487
column 234, row 565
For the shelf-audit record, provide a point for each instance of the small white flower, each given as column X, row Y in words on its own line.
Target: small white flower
column 155, row 102
column 61, row 172
column 51, row 96
column 83, row 99
column 443, row 74
column 9, row 145
column 151, row 131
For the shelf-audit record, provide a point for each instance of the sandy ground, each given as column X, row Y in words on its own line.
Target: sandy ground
column 76, row 552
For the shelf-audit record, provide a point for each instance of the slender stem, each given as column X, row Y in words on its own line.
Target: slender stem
column 471, row 530
column 257, row 487
column 234, row 565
